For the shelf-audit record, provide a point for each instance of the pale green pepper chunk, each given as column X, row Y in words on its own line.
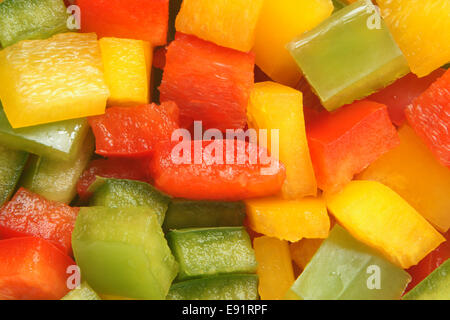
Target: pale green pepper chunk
column 57, row 179
column 349, row 56
column 345, row 269
column 122, row 252
column 58, row 140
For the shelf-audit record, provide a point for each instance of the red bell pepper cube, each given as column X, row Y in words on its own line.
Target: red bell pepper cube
column 429, row 115
column 119, row 168
column 345, row 142
column 131, row 19
column 208, row 82
column 432, row 261
column 402, row 92
column 134, row 131
column 29, row 214
column 32, row 269
column 193, row 170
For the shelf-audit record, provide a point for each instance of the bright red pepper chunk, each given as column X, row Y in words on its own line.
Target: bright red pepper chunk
column 29, row 214
column 345, row 142
column 134, row 131
column 32, row 269
column 208, row 82
column 199, row 175
column 402, row 92
column 429, row 115
column 131, row 19
column 433, row 260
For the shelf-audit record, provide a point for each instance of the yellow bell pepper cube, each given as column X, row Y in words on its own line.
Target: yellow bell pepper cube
column 421, row 30
column 50, row 80
column 227, row 23
column 275, row 271
column 302, row 251
column 280, row 22
column 273, row 106
column 127, row 64
column 412, row 171
column 377, row 216
column 290, row 220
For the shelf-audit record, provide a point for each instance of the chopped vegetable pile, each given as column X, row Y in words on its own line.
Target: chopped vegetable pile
column 224, row 150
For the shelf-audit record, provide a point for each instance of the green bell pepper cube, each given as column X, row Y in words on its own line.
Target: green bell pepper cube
column 122, row 252
column 31, row 19
column 345, row 269
column 222, row 287
column 122, row 193
column 349, row 56
column 211, row 251
column 12, row 163
column 56, row 179
column 197, row 214
column 83, row 292
column 58, row 141
column 434, row 287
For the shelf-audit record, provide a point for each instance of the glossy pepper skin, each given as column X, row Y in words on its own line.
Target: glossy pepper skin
column 32, row 269
column 29, row 19
column 57, row 141
column 132, row 19
column 226, row 23
column 421, row 30
column 127, row 68
column 275, row 271
column 60, row 78
column 278, row 23
column 207, row 252
column 189, row 170
column 345, row 142
column 349, row 56
column 377, row 216
column 28, row 214
column 413, row 172
column 122, row 252
column 56, row 180
column 278, row 110
column 289, row 220
column 134, row 131
column 343, row 269
column 402, row 92
column 429, row 115
column 209, row 83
